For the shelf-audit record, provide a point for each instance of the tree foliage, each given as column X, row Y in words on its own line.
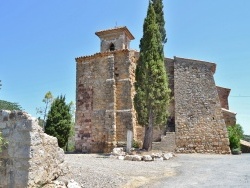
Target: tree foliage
column 158, row 8
column 58, row 123
column 5, row 105
column 152, row 92
column 235, row 134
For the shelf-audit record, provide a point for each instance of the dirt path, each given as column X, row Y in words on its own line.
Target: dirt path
column 209, row 171
column 190, row 170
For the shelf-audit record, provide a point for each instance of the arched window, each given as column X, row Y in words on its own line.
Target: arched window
column 112, row 47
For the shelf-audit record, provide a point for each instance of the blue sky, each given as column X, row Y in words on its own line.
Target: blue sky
column 40, row 39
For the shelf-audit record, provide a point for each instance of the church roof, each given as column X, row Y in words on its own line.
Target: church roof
column 115, row 30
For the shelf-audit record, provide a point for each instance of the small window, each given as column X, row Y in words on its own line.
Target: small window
column 112, row 47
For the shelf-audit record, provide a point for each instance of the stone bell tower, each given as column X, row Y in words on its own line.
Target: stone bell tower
column 105, row 115
column 115, row 39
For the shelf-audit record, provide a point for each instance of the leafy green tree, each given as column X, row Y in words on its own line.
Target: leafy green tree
column 152, row 92
column 59, row 123
column 5, row 105
column 158, row 8
column 48, row 98
column 235, row 134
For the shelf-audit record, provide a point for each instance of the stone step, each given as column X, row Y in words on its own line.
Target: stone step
column 167, row 143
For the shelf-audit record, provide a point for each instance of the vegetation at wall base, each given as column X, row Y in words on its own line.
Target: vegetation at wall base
column 59, row 123
column 152, row 92
column 3, row 143
column 235, row 134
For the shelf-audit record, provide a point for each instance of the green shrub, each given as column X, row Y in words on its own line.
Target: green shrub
column 235, row 133
column 2, row 142
column 136, row 144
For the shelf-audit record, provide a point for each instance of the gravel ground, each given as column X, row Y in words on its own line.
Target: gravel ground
column 199, row 170
column 93, row 170
column 190, row 170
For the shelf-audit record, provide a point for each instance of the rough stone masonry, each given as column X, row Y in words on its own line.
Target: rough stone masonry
column 31, row 158
column 105, row 110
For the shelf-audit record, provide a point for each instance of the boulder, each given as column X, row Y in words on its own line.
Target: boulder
column 156, row 155
column 120, row 157
column 137, row 158
column 118, row 151
column 167, row 156
column 147, row 158
column 128, row 157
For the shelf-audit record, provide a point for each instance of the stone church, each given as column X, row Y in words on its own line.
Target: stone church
column 105, row 114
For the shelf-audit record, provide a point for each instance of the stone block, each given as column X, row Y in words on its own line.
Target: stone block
column 118, row 151
column 147, row 158
column 137, row 158
column 129, row 157
column 31, row 158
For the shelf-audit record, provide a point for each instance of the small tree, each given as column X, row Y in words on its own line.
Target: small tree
column 48, row 98
column 152, row 92
column 59, row 123
column 235, row 134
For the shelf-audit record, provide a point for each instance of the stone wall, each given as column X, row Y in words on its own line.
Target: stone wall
column 169, row 64
column 32, row 158
column 200, row 126
column 229, row 117
column 104, row 107
column 223, row 96
column 167, row 143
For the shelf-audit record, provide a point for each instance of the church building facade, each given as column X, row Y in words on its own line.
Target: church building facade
column 105, row 114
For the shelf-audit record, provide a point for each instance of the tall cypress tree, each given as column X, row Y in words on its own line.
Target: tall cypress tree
column 152, row 92
column 58, row 123
column 158, row 8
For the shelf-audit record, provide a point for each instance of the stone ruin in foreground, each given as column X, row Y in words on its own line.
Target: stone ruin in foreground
column 105, row 114
column 31, row 158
